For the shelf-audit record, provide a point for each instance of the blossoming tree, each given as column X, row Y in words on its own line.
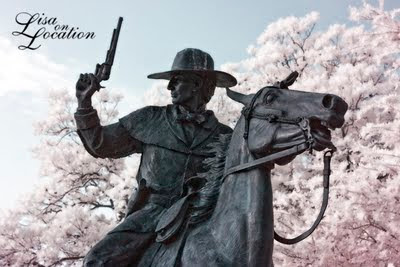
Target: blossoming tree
column 78, row 199
column 360, row 64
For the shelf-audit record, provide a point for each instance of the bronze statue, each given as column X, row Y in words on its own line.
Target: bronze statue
column 204, row 195
column 173, row 141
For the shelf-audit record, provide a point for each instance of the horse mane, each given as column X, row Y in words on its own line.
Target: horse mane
column 207, row 198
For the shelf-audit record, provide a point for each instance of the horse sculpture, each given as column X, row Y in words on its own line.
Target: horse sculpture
column 226, row 219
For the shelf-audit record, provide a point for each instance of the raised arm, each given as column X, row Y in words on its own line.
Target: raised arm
column 111, row 141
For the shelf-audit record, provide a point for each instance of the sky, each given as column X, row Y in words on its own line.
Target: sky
column 151, row 35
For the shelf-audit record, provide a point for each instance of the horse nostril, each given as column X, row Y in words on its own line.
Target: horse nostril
column 327, row 101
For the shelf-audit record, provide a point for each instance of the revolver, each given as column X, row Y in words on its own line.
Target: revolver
column 103, row 71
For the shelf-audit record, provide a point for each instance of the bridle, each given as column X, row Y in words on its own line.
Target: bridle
column 274, row 116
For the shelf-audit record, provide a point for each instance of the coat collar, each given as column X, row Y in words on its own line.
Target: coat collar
column 203, row 131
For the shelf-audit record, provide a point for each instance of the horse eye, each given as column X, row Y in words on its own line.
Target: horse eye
column 270, row 98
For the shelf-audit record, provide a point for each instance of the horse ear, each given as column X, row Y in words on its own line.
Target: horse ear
column 288, row 81
column 238, row 97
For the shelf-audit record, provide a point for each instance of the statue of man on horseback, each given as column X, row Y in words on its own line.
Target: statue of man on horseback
column 172, row 140
column 204, row 195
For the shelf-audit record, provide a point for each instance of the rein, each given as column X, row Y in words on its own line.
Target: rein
column 303, row 123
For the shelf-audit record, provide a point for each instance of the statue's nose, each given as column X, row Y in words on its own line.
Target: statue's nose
column 171, row 86
column 335, row 103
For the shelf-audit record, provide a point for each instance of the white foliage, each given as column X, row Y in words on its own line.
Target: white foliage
column 78, row 200
column 360, row 64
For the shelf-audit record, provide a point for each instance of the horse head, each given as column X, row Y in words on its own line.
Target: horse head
column 277, row 124
column 274, row 119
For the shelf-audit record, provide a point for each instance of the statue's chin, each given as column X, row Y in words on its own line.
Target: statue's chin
column 179, row 101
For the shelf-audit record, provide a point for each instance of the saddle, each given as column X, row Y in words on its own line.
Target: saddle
column 177, row 215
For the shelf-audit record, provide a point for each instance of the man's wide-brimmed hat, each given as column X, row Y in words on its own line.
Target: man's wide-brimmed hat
column 197, row 61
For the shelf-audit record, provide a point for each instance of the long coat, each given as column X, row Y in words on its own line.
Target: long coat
column 169, row 156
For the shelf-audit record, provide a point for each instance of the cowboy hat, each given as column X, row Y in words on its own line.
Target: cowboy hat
column 197, row 61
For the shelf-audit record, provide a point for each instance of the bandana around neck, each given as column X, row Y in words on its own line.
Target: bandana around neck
column 185, row 116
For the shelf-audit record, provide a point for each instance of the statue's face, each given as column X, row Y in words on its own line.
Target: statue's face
column 183, row 89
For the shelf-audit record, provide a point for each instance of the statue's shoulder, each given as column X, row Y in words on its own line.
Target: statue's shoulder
column 145, row 112
column 216, row 125
column 142, row 115
column 224, row 129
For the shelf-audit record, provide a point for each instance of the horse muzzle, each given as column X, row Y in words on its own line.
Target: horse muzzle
column 336, row 108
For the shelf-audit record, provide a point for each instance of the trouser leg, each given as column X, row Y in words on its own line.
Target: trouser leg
column 119, row 249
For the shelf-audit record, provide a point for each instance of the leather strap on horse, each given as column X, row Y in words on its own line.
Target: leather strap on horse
column 325, row 197
column 270, row 158
column 287, row 152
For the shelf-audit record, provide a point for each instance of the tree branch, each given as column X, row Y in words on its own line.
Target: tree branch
column 66, row 259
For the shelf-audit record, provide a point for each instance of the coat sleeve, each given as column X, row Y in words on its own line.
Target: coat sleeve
column 111, row 141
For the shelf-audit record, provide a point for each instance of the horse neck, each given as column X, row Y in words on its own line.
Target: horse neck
column 243, row 216
column 238, row 150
